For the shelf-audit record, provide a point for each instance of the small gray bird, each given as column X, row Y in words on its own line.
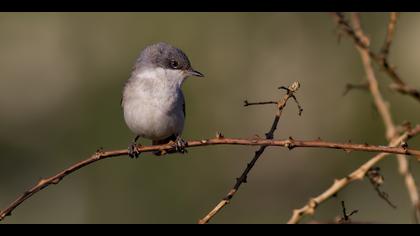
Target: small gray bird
column 153, row 102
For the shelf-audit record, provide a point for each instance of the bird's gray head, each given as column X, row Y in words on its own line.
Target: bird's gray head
column 165, row 56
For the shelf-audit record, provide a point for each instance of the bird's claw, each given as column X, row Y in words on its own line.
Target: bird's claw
column 180, row 145
column 133, row 151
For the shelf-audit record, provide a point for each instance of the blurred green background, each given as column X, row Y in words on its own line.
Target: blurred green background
column 61, row 76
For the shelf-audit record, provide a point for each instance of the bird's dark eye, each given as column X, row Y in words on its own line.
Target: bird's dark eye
column 174, row 64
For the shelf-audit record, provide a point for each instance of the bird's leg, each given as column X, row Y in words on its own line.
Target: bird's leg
column 132, row 149
column 180, row 145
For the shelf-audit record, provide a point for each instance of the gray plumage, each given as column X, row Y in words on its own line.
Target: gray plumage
column 163, row 55
column 152, row 101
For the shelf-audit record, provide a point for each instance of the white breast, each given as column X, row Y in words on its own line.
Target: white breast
column 153, row 103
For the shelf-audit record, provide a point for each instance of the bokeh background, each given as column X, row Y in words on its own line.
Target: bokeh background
column 61, row 76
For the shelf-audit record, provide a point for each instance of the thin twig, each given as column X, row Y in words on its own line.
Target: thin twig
column 404, row 89
column 345, row 219
column 246, row 103
column 380, row 103
column 398, row 84
column 362, row 44
column 339, row 184
column 386, row 116
column 281, row 104
column 376, row 179
column 349, row 87
column 393, row 17
column 404, row 169
column 286, row 143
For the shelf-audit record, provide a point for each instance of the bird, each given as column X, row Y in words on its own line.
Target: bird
column 152, row 99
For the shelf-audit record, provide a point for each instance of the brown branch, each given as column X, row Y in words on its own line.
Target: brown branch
column 349, row 87
column 246, row 103
column 410, row 183
column 380, row 103
column 288, row 143
column 404, row 89
column 386, row 116
column 362, row 44
column 345, row 219
column 393, row 16
column 281, row 104
column 398, row 84
column 339, row 184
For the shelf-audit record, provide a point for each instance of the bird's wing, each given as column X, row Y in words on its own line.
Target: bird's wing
column 183, row 103
column 124, row 87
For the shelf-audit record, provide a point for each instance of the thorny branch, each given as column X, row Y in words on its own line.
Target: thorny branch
column 339, row 184
column 220, row 140
column 380, row 58
column 384, row 110
column 361, row 42
column 281, row 104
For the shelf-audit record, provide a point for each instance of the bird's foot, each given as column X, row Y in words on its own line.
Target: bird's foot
column 133, row 151
column 180, row 145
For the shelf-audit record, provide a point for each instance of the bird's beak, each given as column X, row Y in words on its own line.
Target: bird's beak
column 193, row 72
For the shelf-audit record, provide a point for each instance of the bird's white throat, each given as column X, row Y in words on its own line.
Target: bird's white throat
column 162, row 77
